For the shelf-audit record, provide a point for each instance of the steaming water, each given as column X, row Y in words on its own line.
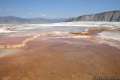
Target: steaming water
column 54, row 28
column 26, row 30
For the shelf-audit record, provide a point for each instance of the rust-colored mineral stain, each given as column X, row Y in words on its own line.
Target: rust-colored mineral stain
column 16, row 42
column 57, row 59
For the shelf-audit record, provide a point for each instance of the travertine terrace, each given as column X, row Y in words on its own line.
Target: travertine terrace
column 43, row 52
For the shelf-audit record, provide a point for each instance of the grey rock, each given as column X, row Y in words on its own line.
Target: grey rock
column 113, row 16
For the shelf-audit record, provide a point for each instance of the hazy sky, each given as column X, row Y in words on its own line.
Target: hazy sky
column 55, row 8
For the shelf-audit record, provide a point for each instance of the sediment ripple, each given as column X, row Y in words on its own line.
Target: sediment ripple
column 22, row 44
